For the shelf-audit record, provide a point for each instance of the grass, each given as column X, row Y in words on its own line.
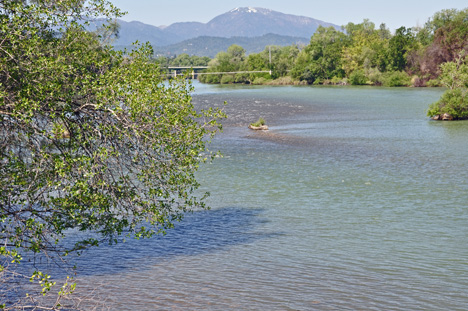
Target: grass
column 260, row 122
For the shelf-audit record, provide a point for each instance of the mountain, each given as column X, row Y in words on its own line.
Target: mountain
column 210, row 46
column 129, row 32
column 250, row 22
column 239, row 22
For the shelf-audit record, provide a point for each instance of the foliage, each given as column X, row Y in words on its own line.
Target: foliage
column 287, row 80
column 357, row 77
column 321, row 59
column 434, row 83
column 227, row 79
column 210, row 78
column 183, row 60
column 445, row 35
column 398, row 47
column 360, row 54
column 259, row 122
column 336, row 80
column 368, row 48
column 283, row 59
column 455, row 74
column 374, row 76
column 396, row 78
column 455, row 100
column 276, row 59
column 260, row 81
column 90, row 139
column 241, row 78
column 230, row 66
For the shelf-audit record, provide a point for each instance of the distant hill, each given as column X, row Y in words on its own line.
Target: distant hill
column 249, row 22
column 132, row 31
column 210, row 46
column 240, row 22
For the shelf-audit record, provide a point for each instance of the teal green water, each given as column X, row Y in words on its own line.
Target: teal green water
column 353, row 200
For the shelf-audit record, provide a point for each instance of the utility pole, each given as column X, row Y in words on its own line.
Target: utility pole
column 269, row 56
column 269, row 50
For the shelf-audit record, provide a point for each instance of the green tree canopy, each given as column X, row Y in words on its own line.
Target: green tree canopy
column 454, row 101
column 398, row 47
column 90, row 139
column 366, row 50
column 184, row 60
column 321, row 59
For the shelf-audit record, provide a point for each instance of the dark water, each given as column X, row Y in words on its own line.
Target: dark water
column 354, row 200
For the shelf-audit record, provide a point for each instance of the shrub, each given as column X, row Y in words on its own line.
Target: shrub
column 202, row 78
column 357, row 77
column 396, row 78
column 335, row 80
column 453, row 102
column 227, row 79
column 318, row 81
column 259, row 122
column 417, row 81
column 241, row 78
column 308, row 76
column 433, row 83
column 260, row 81
column 212, row 79
column 287, row 80
column 375, row 76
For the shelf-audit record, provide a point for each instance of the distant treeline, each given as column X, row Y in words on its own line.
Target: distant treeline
column 360, row 54
column 183, row 60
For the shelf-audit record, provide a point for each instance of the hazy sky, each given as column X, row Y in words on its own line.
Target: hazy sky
column 394, row 13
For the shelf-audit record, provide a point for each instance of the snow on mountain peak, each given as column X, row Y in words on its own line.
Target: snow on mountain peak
column 248, row 10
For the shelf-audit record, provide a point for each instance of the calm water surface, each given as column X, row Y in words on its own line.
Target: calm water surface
column 354, row 200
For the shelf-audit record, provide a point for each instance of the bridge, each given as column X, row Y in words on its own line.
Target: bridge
column 196, row 74
column 176, row 70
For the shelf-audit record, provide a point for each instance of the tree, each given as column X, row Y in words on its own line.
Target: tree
column 454, row 101
column 384, row 32
column 184, row 60
column 256, row 62
column 321, row 59
column 444, row 36
column 231, row 61
column 283, row 59
column 398, row 47
column 90, row 139
column 366, row 49
column 236, row 53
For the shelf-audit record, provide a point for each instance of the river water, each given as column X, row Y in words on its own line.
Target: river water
column 353, row 200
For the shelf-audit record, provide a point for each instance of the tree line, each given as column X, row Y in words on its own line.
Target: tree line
column 357, row 54
column 363, row 54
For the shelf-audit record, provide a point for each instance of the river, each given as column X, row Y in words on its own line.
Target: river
column 353, row 200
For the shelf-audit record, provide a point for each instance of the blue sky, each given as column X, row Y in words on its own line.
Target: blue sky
column 394, row 13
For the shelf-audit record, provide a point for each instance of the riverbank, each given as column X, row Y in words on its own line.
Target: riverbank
column 391, row 79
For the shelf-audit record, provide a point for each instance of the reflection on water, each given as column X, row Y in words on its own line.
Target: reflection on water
column 353, row 200
column 199, row 233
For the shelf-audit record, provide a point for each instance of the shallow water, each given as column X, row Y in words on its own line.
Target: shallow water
column 354, row 200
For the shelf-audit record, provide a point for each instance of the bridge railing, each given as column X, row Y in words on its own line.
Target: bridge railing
column 194, row 74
